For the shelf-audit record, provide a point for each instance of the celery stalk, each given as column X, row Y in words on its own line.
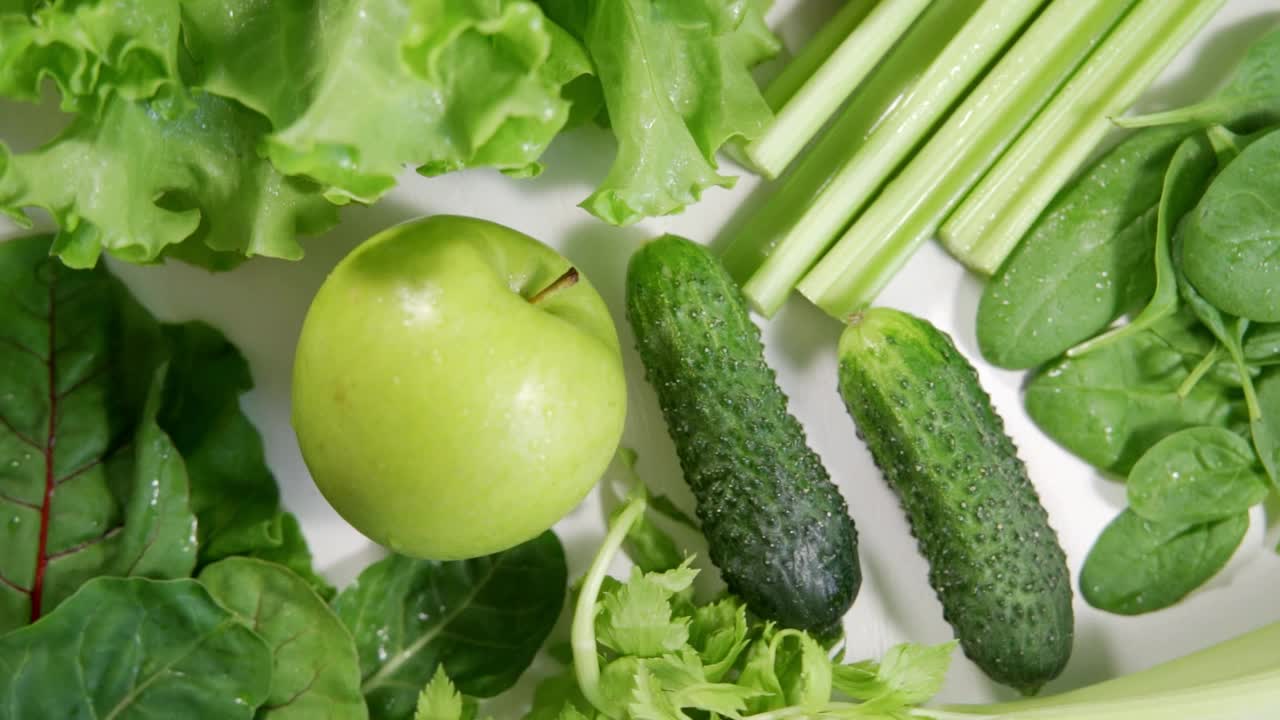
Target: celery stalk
column 989, row 223
column 872, row 104
column 1235, row 680
column 910, row 209
column 816, row 52
column 819, row 97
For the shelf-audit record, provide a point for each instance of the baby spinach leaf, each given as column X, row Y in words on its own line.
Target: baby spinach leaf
column 1231, row 332
column 1251, row 98
column 1266, row 429
column 1262, row 344
column 88, row 483
column 1138, row 566
column 1196, row 475
column 135, row 649
column 315, row 671
column 483, row 620
column 1109, row 406
column 1231, row 248
column 1085, row 262
column 1185, row 180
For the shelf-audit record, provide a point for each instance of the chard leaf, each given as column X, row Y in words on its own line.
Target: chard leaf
column 91, row 49
column 1138, row 566
column 636, row 617
column 135, row 649
column 907, row 675
column 315, row 672
column 233, row 491
column 483, row 620
column 356, row 90
column 77, row 355
column 676, row 83
column 143, row 182
column 293, row 553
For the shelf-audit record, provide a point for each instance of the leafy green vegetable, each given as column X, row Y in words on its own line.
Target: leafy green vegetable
column 482, row 620
column 1111, row 405
column 1251, row 97
column 135, row 649
column 1231, row 252
column 1185, row 180
column 91, row 49
column 89, row 484
column 142, row 182
column 1138, row 566
column 232, row 490
column 1266, row 428
column 315, row 671
column 1196, row 475
column 708, row 657
column 651, row 549
column 440, row 700
column 906, row 675
column 675, row 80
column 636, row 618
column 362, row 73
column 1262, row 344
column 1084, row 262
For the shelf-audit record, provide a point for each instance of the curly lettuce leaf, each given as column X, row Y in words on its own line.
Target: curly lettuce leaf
column 143, row 185
column 356, row 90
column 90, row 49
column 676, row 83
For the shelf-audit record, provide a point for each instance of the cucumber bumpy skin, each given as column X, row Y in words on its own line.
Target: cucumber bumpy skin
column 994, row 560
column 776, row 526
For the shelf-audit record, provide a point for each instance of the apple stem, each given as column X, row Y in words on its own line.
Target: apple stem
column 568, row 279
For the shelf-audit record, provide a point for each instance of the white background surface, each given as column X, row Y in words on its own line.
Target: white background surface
column 261, row 305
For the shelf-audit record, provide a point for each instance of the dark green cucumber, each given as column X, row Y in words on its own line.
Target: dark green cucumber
column 777, row 527
column 994, row 561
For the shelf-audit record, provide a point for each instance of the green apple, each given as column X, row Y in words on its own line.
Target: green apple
column 457, row 389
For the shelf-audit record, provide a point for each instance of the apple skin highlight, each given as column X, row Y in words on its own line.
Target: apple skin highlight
column 440, row 412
